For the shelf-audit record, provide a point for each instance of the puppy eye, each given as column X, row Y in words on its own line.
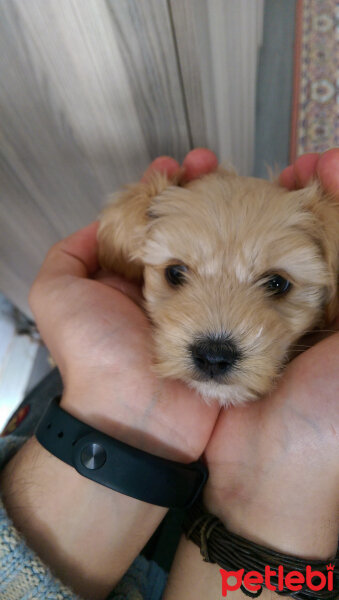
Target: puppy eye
column 175, row 274
column 277, row 285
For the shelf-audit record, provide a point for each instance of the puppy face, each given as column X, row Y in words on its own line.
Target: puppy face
column 235, row 271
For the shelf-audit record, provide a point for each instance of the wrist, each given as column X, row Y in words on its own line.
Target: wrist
column 191, row 578
column 82, row 530
column 116, row 465
column 112, row 404
column 278, row 485
column 306, row 527
column 142, row 412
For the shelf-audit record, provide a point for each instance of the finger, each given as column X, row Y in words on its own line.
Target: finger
column 75, row 255
column 287, row 178
column 305, row 168
column 163, row 164
column 328, row 170
column 301, row 172
column 198, row 162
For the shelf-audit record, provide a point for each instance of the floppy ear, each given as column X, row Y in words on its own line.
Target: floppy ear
column 325, row 207
column 123, row 224
column 331, row 245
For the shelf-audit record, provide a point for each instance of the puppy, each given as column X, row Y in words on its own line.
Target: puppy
column 235, row 270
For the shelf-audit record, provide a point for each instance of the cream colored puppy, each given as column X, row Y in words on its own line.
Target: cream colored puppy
column 235, row 270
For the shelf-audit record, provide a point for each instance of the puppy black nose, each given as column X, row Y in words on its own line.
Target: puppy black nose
column 214, row 357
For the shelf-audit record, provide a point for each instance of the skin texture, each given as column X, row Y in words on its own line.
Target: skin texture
column 276, row 483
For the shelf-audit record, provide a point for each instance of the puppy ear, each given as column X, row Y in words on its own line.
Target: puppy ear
column 325, row 208
column 331, row 246
column 123, row 223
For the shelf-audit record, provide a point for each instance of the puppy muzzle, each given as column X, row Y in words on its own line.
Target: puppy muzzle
column 214, row 358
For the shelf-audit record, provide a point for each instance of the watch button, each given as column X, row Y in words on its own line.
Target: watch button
column 93, row 456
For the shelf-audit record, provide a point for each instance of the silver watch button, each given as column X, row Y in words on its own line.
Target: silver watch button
column 93, row 456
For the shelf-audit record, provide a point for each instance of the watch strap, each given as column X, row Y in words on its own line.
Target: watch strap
column 117, row 465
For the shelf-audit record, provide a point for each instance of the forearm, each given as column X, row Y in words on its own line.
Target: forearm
column 310, row 536
column 86, row 533
column 192, row 578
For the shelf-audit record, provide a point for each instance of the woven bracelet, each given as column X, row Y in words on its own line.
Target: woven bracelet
column 234, row 553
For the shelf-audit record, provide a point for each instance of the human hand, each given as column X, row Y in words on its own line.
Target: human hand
column 100, row 339
column 313, row 165
column 274, row 464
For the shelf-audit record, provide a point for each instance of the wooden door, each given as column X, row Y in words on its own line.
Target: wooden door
column 92, row 90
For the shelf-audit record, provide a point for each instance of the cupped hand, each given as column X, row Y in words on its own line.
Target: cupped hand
column 100, row 338
column 274, row 464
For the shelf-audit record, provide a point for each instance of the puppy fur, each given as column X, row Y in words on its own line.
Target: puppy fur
column 232, row 234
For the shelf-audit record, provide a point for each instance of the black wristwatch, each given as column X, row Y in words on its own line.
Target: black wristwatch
column 117, row 465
